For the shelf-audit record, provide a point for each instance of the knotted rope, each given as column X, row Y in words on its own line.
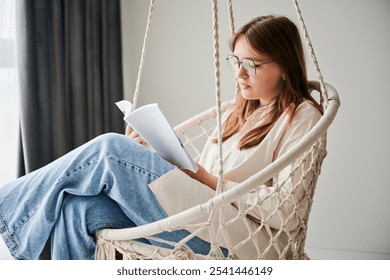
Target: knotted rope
column 324, row 95
column 231, row 17
column 217, row 75
column 142, row 62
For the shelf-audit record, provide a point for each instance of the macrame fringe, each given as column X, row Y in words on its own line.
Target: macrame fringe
column 105, row 250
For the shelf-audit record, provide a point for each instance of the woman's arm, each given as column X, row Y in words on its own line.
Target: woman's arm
column 203, row 176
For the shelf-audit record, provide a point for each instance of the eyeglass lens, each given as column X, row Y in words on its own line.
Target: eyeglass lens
column 247, row 64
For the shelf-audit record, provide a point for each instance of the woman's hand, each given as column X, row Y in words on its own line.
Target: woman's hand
column 203, row 176
column 133, row 134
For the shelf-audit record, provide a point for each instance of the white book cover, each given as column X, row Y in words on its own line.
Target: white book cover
column 150, row 123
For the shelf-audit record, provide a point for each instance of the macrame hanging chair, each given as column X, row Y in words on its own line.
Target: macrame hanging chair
column 261, row 240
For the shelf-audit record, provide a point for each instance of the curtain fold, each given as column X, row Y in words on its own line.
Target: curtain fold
column 70, row 62
column 71, row 75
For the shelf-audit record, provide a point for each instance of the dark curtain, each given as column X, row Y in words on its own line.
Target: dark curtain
column 70, row 76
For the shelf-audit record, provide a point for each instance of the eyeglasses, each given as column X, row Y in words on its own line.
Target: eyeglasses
column 248, row 64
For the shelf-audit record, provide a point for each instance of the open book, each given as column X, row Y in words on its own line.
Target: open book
column 150, row 123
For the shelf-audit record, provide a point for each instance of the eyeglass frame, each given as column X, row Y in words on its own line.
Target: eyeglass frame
column 241, row 63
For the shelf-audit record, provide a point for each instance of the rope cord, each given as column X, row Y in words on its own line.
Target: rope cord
column 232, row 31
column 217, row 91
column 324, row 95
column 231, row 17
column 142, row 62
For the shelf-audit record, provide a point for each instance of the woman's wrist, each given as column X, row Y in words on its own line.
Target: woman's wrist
column 203, row 176
column 211, row 181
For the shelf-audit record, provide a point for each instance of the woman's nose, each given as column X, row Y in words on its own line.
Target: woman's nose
column 241, row 73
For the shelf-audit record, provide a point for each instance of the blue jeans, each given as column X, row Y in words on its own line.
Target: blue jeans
column 101, row 184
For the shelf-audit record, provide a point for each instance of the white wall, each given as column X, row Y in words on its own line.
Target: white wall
column 350, row 215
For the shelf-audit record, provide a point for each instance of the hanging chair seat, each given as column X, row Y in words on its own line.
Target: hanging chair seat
column 262, row 238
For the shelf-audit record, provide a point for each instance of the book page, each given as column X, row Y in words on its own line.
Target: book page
column 150, row 123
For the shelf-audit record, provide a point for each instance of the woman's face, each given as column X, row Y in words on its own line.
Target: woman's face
column 266, row 83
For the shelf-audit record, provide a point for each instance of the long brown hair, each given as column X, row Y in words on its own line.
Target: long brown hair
column 278, row 38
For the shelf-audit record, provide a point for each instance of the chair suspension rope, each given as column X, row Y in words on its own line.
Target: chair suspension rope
column 232, row 30
column 231, row 17
column 142, row 62
column 324, row 95
column 217, row 90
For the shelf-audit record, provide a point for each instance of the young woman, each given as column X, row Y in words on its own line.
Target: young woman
column 113, row 182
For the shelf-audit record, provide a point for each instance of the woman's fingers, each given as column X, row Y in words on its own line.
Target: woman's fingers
column 135, row 136
column 129, row 130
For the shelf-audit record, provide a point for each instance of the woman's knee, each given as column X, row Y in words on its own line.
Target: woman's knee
column 114, row 143
column 112, row 138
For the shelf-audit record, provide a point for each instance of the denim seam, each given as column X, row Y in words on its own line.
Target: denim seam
column 9, row 240
column 125, row 163
column 24, row 220
column 74, row 170
column 96, row 160
column 108, row 225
